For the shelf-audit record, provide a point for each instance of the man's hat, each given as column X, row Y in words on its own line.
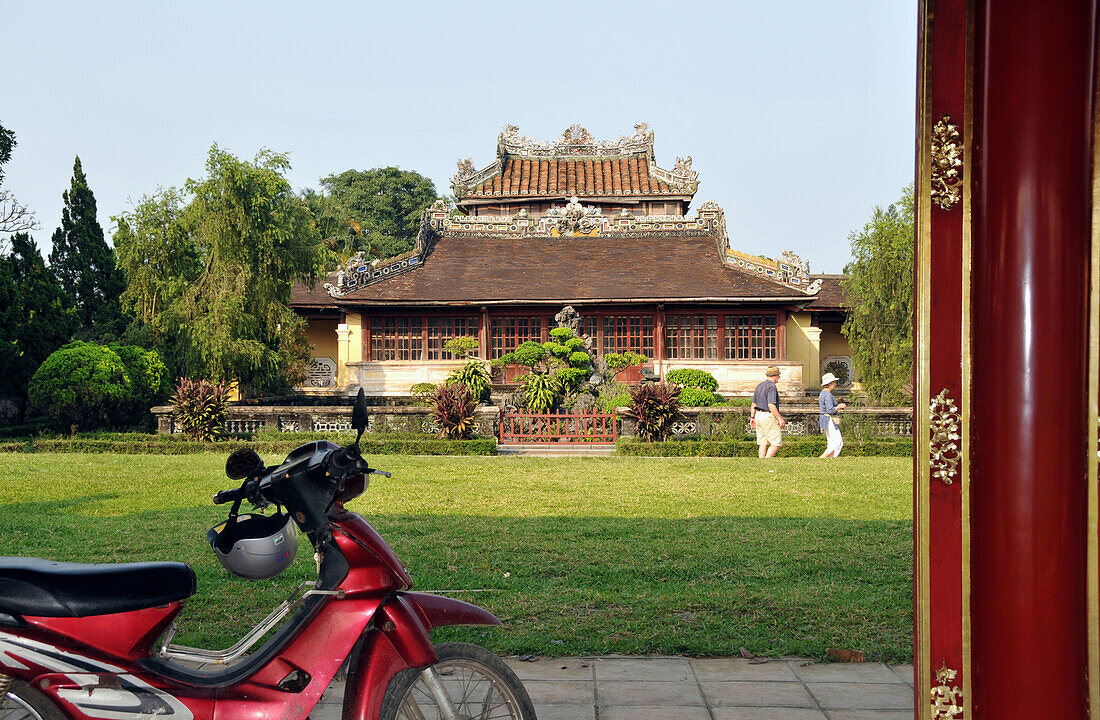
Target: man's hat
column 772, row 370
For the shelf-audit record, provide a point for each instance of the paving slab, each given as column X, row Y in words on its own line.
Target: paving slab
column 677, row 688
column 761, row 713
column 846, row 672
column 757, row 694
column 862, row 696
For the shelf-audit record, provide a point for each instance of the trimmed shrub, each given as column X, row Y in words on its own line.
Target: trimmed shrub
column 461, row 346
column 453, row 410
column 422, row 393
column 620, row 361
column 272, row 449
column 610, row 402
column 809, row 446
column 80, row 385
column 200, row 409
column 655, row 407
column 696, row 397
column 690, row 377
column 476, row 379
column 149, row 383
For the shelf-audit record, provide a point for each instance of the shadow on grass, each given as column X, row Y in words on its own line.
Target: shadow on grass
column 562, row 585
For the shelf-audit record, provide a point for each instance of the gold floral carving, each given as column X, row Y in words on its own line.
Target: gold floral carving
column 946, row 700
column 945, row 438
column 947, row 162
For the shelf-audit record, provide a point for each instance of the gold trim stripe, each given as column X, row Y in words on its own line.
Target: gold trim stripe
column 967, row 346
column 1092, row 563
column 923, row 398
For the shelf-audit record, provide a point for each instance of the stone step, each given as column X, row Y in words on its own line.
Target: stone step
column 556, row 449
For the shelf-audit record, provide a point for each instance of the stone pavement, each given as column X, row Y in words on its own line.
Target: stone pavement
column 673, row 688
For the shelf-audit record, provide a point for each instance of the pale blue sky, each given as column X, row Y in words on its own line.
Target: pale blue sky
column 798, row 115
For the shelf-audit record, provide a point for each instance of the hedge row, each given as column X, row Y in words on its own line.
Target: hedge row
column 369, row 446
column 803, row 447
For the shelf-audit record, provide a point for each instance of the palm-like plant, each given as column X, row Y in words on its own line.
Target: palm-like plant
column 655, row 407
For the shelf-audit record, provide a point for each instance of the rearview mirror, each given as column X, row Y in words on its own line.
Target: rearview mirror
column 359, row 418
column 241, row 463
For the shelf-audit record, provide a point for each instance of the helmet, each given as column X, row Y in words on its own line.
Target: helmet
column 255, row 547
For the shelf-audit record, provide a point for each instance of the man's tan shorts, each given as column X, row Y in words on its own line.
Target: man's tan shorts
column 767, row 430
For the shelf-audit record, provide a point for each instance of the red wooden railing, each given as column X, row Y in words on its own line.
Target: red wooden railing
column 526, row 427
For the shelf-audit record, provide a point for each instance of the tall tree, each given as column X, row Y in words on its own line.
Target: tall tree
column 256, row 238
column 374, row 211
column 85, row 265
column 36, row 319
column 14, row 216
column 879, row 286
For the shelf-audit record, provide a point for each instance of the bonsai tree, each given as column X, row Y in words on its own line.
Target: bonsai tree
column 558, row 368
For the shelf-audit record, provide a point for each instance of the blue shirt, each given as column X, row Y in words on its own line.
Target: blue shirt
column 766, row 392
column 827, row 403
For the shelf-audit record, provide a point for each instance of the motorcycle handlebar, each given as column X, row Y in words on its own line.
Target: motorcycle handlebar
column 227, row 496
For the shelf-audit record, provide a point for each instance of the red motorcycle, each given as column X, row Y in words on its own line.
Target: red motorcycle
column 94, row 642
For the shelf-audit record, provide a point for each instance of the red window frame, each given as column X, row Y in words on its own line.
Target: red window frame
column 441, row 329
column 397, row 337
column 507, row 332
column 628, row 333
column 752, row 337
column 691, row 337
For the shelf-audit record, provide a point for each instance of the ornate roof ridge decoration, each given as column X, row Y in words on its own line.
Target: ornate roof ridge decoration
column 576, row 142
column 572, row 220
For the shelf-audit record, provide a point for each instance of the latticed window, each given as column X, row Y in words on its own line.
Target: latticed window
column 509, row 332
column 634, row 333
column 397, row 338
column 442, row 329
column 750, row 337
column 691, row 337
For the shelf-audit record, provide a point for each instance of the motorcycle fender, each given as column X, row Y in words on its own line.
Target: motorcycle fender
column 374, row 663
column 439, row 611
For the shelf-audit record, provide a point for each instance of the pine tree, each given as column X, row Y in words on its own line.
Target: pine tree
column 85, row 265
column 35, row 315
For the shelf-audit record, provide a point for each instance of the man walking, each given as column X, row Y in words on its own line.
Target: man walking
column 764, row 415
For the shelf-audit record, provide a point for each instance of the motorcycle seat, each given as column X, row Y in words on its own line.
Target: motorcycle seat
column 45, row 588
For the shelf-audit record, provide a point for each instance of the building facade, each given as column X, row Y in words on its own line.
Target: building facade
column 598, row 226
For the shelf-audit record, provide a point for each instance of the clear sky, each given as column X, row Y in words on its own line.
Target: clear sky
column 799, row 115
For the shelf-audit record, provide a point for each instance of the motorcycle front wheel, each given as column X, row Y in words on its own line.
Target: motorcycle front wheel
column 23, row 702
column 480, row 685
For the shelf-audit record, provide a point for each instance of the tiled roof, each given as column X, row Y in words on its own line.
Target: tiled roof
column 831, row 296
column 564, row 177
column 470, row 270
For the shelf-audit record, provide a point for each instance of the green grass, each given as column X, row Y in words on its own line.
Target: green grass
column 696, row 556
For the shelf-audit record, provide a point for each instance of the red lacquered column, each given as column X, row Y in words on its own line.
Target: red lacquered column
column 1031, row 253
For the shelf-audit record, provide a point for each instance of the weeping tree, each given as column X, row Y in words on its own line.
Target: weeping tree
column 879, row 286
column 256, row 238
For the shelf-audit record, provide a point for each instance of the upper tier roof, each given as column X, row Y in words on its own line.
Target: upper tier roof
column 575, row 164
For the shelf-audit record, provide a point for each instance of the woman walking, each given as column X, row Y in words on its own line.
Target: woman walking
column 830, row 418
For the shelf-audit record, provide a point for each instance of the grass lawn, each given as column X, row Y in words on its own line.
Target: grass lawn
column 696, row 556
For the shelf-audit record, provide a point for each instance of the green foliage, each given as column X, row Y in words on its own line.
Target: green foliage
column 570, row 379
column 200, row 409
column 692, row 378
column 540, row 391
column 529, row 353
column 256, row 238
column 462, row 346
column 696, row 397
column 157, row 253
column 621, row 361
column 376, row 212
column 422, row 393
column 453, row 410
column 655, row 407
column 36, row 316
column 80, row 385
column 610, row 402
column 727, row 425
column 475, row 377
column 149, row 383
column 84, row 264
column 879, row 286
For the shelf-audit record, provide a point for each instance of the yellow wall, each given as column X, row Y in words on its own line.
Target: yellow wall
column 322, row 337
column 803, row 347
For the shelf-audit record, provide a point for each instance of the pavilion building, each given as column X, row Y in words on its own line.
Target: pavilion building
column 598, row 226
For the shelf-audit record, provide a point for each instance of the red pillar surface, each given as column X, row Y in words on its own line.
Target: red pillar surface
column 1032, row 248
column 1003, row 316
